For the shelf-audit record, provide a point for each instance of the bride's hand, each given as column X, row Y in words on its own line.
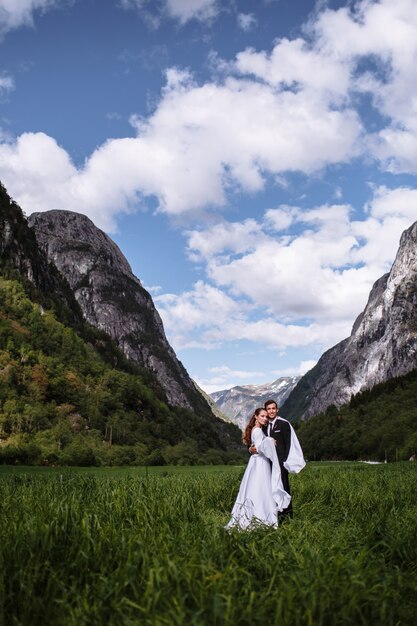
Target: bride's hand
column 252, row 450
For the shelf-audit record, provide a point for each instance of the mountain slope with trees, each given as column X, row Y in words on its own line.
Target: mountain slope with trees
column 67, row 392
column 60, row 402
column 377, row 424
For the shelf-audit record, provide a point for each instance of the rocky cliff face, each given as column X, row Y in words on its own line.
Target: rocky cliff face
column 113, row 299
column 239, row 403
column 19, row 252
column 383, row 342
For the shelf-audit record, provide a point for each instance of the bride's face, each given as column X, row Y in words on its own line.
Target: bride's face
column 262, row 418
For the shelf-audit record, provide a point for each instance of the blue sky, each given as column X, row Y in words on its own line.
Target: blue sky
column 255, row 161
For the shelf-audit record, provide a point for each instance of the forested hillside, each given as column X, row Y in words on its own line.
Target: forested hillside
column 376, row 424
column 61, row 402
column 68, row 395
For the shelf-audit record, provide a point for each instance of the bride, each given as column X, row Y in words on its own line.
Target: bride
column 261, row 494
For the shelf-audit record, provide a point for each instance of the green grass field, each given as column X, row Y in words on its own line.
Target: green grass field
column 132, row 546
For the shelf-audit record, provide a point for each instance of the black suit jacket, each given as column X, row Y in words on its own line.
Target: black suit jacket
column 281, row 432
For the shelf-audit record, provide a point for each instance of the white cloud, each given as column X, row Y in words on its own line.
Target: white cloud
column 296, row 277
column 6, row 84
column 384, row 36
column 303, row 276
column 280, row 219
column 368, row 47
column 223, row 237
column 207, row 317
column 396, row 148
column 390, row 211
column 185, row 10
column 246, row 21
column 224, row 377
column 225, row 369
column 294, row 62
column 400, row 202
column 40, row 176
column 191, row 131
column 16, row 13
column 300, row 370
column 275, row 335
column 189, row 317
column 300, row 287
column 273, row 112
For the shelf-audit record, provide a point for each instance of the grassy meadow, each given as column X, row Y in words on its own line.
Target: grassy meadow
column 120, row 547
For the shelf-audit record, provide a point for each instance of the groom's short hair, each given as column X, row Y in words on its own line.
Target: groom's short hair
column 268, row 402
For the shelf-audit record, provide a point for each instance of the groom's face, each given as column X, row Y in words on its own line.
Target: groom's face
column 272, row 411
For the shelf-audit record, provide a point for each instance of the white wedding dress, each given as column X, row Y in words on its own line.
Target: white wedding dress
column 261, row 494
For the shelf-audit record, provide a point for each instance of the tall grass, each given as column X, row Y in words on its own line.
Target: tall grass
column 79, row 548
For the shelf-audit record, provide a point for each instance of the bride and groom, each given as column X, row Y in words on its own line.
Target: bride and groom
column 264, row 496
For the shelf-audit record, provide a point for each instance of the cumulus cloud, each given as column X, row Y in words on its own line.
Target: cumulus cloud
column 400, row 202
column 294, row 276
column 201, row 142
column 390, row 212
column 207, row 317
column 181, row 10
column 190, row 317
column 40, row 176
column 299, row 370
column 246, row 21
column 289, row 109
column 14, row 14
column 191, row 321
column 291, row 279
column 185, row 10
column 296, row 63
column 224, row 377
column 6, row 84
column 223, row 237
column 384, row 36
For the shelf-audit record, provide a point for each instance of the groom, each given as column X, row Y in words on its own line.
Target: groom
column 280, row 430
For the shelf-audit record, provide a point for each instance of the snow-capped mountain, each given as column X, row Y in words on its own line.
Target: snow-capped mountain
column 239, row 403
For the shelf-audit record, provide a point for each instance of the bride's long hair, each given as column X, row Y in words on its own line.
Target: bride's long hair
column 248, row 430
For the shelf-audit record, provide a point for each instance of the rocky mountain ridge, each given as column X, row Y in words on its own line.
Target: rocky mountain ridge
column 239, row 402
column 382, row 345
column 113, row 299
column 20, row 255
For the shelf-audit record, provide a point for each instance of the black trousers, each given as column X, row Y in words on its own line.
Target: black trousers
column 288, row 512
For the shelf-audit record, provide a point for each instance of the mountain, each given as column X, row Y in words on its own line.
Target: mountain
column 62, row 403
column 239, row 403
column 378, row 424
column 382, row 345
column 216, row 411
column 68, row 394
column 21, row 257
column 113, row 299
